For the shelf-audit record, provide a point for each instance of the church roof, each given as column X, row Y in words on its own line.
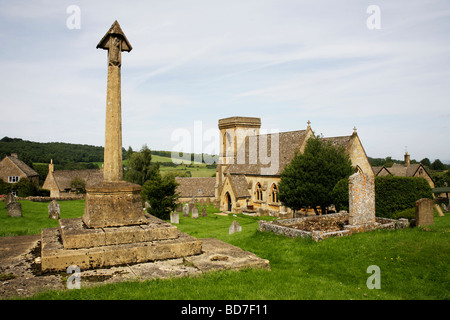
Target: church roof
column 251, row 164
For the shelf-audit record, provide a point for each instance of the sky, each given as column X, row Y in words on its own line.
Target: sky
column 382, row 67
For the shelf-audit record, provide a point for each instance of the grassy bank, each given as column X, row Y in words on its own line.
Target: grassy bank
column 414, row 264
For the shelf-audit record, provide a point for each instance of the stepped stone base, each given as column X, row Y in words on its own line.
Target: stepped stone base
column 75, row 244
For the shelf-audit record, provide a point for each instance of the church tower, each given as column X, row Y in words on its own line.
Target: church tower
column 233, row 132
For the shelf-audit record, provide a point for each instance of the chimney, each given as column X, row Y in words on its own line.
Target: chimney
column 407, row 159
column 14, row 155
column 50, row 166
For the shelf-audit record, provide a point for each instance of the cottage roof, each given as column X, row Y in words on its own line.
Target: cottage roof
column 196, row 187
column 22, row 166
column 64, row 177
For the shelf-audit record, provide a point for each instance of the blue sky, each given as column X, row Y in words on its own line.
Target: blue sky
column 284, row 61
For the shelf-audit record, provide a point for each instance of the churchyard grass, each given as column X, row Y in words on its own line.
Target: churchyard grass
column 413, row 264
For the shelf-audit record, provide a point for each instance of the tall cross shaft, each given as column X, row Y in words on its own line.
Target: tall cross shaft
column 115, row 42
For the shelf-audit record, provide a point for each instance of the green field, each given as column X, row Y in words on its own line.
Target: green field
column 414, row 262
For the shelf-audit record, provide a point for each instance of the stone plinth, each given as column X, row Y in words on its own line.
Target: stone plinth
column 75, row 244
column 361, row 199
column 113, row 204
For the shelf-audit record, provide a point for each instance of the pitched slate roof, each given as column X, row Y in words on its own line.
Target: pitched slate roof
column 240, row 186
column 252, row 164
column 196, row 187
column 22, row 166
column 90, row 176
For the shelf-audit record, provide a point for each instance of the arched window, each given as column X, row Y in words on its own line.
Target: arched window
column 274, row 193
column 259, row 192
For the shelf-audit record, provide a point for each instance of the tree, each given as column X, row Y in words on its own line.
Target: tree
column 426, row 162
column 78, row 184
column 140, row 169
column 160, row 193
column 309, row 179
column 438, row 165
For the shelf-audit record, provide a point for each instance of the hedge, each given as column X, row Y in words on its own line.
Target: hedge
column 394, row 194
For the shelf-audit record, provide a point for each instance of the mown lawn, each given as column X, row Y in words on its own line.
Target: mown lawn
column 413, row 262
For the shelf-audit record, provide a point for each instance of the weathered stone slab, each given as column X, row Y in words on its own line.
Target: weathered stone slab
column 186, row 210
column 54, row 210
column 361, row 199
column 14, row 209
column 195, row 212
column 55, row 257
column 235, row 227
column 75, row 234
column 175, row 217
column 424, row 212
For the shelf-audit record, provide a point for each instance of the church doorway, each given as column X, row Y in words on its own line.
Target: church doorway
column 228, row 201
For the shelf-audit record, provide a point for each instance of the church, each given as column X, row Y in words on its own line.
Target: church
column 250, row 164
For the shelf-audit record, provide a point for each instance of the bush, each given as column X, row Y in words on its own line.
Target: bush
column 340, row 195
column 409, row 213
column 395, row 194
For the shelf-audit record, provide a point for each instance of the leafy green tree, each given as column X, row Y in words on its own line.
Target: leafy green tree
column 426, row 162
column 160, row 193
column 339, row 195
column 139, row 168
column 78, row 184
column 438, row 165
column 309, row 179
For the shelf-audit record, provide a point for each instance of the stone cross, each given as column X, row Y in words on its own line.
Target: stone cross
column 115, row 42
column 54, row 211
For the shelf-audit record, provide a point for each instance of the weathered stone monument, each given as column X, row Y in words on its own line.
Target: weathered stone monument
column 204, row 214
column 234, row 227
column 361, row 199
column 14, row 209
column 9, row 198
column 186, row 210
column 424, row 212
column 54, row 210
column 195, row 212
column 175, row 217
column 114, row 229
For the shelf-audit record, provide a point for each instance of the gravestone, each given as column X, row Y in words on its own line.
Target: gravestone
column 235, row 227
column 179, row 207
column 54, row 211
column 175, row 217
column 204, row 214
column 361, row 199
column 195, row 212
column 14, row 209
column 186, row 210
column 9, row 198
column 147, row 205
column 424, row 212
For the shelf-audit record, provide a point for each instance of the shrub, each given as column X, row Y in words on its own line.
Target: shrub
column 394, row 194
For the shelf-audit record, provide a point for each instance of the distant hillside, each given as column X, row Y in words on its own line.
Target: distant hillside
column 60, row 152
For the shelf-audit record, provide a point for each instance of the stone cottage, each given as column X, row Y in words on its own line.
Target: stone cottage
column 12, row 169
column 250, row 163
column 59, row 181
column 199, row 188
column 405, row 170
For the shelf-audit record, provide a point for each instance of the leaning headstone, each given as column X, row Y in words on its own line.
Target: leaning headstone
column 439, row 210
column 195, row 212
column 54, row 211
column 9, row 198
column 179, row 207
column 424, row 212
column 186, row 210
column 175, row 217
column 14, row 209
column 204, row 214
column 361, row 199
column 235, row 227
